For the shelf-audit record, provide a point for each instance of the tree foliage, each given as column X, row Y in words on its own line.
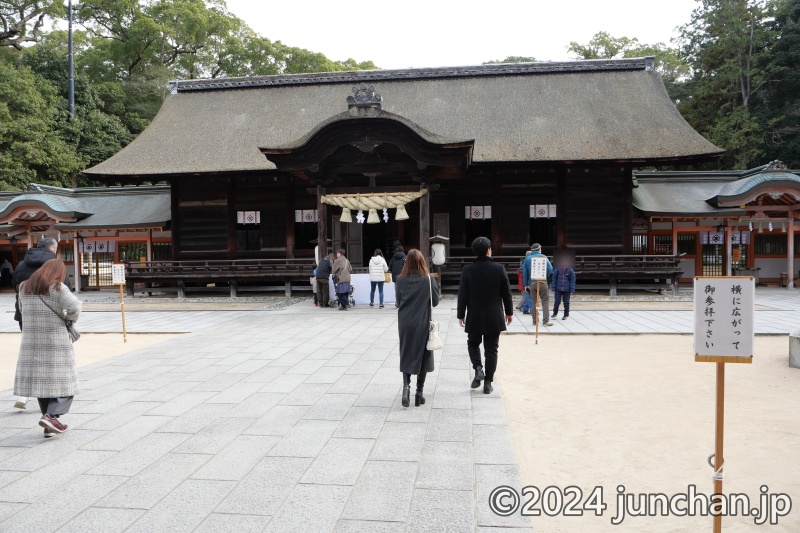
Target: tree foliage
column 512, row 59
column 125, row 53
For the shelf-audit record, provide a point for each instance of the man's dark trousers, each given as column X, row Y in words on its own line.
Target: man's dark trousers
column 491, row 343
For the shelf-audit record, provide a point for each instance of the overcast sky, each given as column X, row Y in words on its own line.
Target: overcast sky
column 431, row 33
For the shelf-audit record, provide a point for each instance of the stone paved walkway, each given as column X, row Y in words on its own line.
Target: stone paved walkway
column 283, row 420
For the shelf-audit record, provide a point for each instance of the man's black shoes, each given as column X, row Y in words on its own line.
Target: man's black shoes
column 479, row 375
column 487, row 387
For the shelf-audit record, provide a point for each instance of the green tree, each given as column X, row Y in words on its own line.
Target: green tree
column 31, row 147
column 728, row 46
column 783, row 115
column 602, row 46
column 512, row 59
column 21, row 21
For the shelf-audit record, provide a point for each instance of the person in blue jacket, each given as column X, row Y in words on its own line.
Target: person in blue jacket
column 544, row 294
column 563, row 287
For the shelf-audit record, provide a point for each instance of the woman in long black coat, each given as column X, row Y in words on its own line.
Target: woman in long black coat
column 415, row 289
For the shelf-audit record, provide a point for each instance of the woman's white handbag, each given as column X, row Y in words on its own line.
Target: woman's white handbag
column 434, row 340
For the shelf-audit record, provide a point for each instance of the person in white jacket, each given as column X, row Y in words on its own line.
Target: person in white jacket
column 377, row 276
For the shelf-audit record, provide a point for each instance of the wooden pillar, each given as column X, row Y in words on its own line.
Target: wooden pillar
column 497, row 217
column 289, row 220
column 728, row 251
column 322, row 224
column 627, row 213
column 790, row 249
column 231, row 219
column 561, row 210
column 76, row 262
column 425, row 225
column 674, row 237
column 175, row 222
column 149, row 245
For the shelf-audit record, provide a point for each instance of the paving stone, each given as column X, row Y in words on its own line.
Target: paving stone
column 493, row 445
column 488, row 411
column 249, row 366
column 339, row 463
column 226, row 522
column 362, row 423
column 327, row 374
column 43, row 453
column 438, row 511
column 9, row 476
column 256, row 405
column 167, row 393
column 265, row 374
column 383, row 492
column 284, row 383
column 266, row 486
column 114, row 402
column 362, row 526
column 487, row 478
column 348, row 383
column 278, row 420
column 184, row 508
column 128, row 433
column 343, row 359
column 115, row 417
column 30, row 488
column 399, row 442
column 331, row 407
column 449, row 425
column 207, row 374
column 310, row 508
column 101, row 519
column 236, row 393
column 215, row 436
column 306, row 394
column 376, row 395
column 196, row 419
column 220, row 382
column 305, row 439
column 8, row 509
column 140, row 454
column 365, row 367
column 155, row 482
column 237, row 459
column 69, row 500
column 446, row 466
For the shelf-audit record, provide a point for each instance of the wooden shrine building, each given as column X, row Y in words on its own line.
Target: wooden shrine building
column 260, row 168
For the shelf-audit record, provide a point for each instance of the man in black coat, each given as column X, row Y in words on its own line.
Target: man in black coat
column 396, row 264
column 484, row 298
column 324, row 269
column 34, row 258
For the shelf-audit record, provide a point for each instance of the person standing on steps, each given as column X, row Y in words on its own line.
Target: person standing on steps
column 396, row 266
column 34, row 259
column 484, row 310
column 417, row 292
column 342, row 270
column 377, row 276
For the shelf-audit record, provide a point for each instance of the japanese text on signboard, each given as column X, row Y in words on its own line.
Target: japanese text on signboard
column 538, row 268
column 723, row 310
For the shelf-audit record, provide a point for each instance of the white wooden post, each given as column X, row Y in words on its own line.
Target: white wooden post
column 790, row 249
column 728, row 251
column 76, row 263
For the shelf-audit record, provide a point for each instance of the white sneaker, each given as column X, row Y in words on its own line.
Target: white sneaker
column 21, row 404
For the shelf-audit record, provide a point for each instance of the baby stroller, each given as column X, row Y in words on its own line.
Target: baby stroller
column 351, row 300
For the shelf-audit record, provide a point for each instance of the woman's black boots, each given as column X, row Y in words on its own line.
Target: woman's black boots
column 419, row 398
column 406, row 389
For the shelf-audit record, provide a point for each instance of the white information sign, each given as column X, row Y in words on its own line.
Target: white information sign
column 723, row 319
column 118, row 274
column 539, row 268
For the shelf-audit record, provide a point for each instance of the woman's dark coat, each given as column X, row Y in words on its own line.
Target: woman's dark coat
column 413, row 318
column 484, row 297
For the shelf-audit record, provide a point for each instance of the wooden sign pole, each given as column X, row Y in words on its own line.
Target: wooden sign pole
column 536, row 313
column 719, row 460
column 122, row 308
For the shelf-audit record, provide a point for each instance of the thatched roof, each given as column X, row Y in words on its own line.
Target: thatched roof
column 614, row 110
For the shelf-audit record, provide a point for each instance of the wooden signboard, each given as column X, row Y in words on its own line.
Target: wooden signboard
column 723, row 319
column 539, row 268
column 118, row 278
